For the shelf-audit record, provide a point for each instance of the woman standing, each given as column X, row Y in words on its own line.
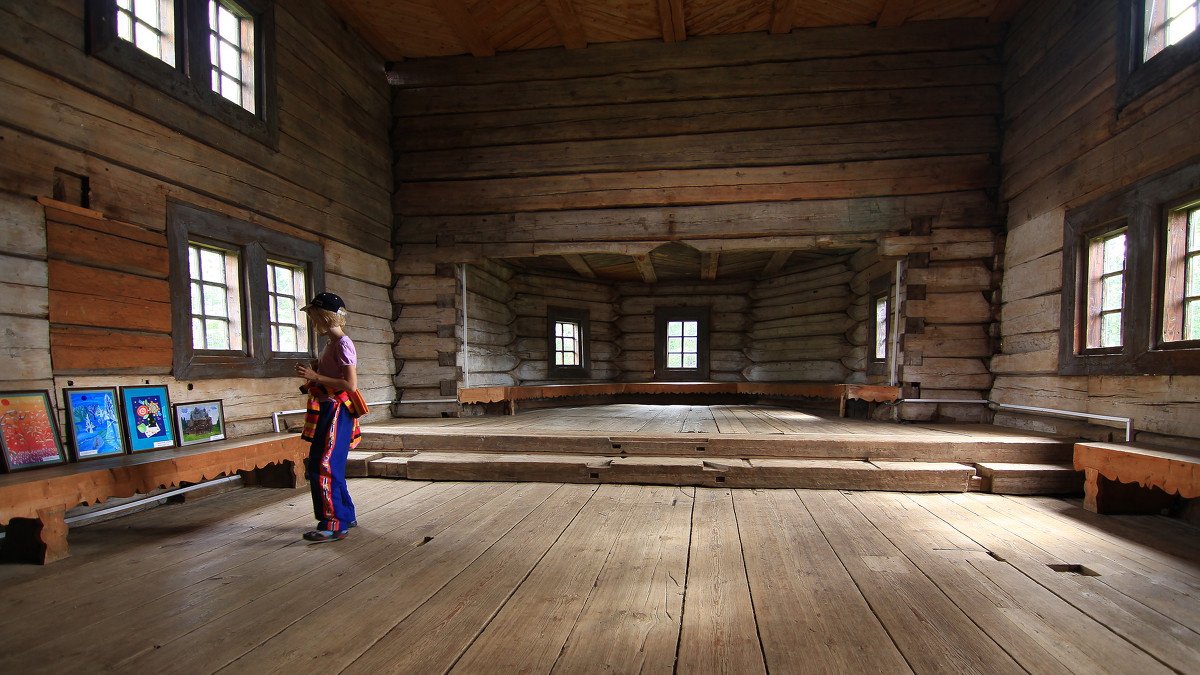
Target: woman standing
column 329, row 424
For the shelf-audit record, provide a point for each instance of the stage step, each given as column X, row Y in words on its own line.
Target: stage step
column 1030, row 479
column 835, row 474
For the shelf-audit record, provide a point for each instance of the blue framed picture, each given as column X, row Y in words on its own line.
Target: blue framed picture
column 94, row 422
column 147, row 412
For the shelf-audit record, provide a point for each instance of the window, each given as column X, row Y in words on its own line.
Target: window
column 1157, row 39
column 150, row 25
column 879, row 324
column 1181, row 284
column 681, row 343
column 1131, row 280
column 211, row 54
column 286, row 294
column 236, row 290
column 215, row 298
column 1106, row 290
column 568, row 336
column 231, row 53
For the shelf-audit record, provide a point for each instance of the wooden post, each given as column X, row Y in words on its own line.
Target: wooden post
column 42, row 540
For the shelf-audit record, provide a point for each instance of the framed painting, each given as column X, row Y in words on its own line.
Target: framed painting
column 94, row 422
column 28, row 431
column 199, row 422
column 146, row 412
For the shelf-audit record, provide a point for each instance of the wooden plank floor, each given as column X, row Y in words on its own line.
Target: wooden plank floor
column 560, row 578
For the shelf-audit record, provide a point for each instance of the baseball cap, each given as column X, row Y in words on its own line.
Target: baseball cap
column 326, row 301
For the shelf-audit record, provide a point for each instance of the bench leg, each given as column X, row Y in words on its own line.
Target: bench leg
column 42, row 540
column 1091, row 490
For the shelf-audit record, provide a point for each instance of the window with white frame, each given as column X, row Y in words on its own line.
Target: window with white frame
column 149, row 25
column 1156, row 40
column 1181, row 287
column 880, row 350
column 231, row 53
column 1167, row 23
column 566, row 343
column 1106, row 290
column 236, row 290
column 216, row 314
column 681, row 343
column 286, row 288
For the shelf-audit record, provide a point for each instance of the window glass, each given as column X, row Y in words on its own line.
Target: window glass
column 149, row 25
column 215, row 298
column 566, row 344
column 683, row 346
column 1106, row 296
column 230, row 52
column 881, row 327
column 285, row 296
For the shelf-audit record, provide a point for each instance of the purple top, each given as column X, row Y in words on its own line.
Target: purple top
column 338, row 354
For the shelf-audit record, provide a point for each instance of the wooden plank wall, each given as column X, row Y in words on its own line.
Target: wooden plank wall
column 533, row 294
column 826, row 138
column 67, row 114
column 1065, row 145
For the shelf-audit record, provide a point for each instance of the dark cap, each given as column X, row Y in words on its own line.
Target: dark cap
column 326, row 301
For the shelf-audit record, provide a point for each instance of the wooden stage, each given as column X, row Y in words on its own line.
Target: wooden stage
column 718, row 446
column 569, row 578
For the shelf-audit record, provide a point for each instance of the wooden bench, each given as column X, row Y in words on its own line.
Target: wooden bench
column 1111, row 469
column 839, row 392
column 34, row 503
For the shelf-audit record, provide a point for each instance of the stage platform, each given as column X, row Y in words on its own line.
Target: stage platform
column 718, row 445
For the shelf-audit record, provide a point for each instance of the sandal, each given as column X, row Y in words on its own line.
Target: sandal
column 325, row 535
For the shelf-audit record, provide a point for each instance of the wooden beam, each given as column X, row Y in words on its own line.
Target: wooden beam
column 708, row 265
column 776, row 263
column 1005, row 10
column 894, row 13
column 562, row 13
column 456, row 14
column 783, row 16
column 580, row 265
column 646, row 268
column 670, row 12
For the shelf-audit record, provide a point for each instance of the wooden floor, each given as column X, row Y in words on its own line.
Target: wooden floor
column 539, row 578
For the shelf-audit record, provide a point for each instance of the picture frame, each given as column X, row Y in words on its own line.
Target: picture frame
column 199, row 422
column 147, row 411
column 93, row 420
column 29, row 431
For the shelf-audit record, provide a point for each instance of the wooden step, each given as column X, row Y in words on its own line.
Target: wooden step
column 836, row 474
column 1030, row 479
column 357, row 462
column 389, row 466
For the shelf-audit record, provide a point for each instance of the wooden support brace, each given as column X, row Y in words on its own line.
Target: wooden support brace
column 41, row 540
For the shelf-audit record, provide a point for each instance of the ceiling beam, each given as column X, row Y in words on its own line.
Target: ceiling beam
column 783, row 16
column 894, row 13
column 465, row 26
column 708, row 265
column 645, row 267
column 562, row 13
column 671, row 14
column 580, row 265
column 776, row 263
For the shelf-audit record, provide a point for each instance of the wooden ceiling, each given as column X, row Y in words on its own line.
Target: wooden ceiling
column 416, row 29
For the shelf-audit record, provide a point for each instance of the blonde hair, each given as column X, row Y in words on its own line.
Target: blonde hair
column 325, row 319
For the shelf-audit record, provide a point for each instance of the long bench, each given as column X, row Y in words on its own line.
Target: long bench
column 33, row 504
column 829, row 391
column 1111, row 470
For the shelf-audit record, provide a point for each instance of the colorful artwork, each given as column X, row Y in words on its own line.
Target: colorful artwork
column 28, row 432
column 146, row 417
column 199, row 422
column 93, row 421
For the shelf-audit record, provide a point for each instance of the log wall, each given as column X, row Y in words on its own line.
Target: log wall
column 85, row 306
column 1065, row 145
column 827, row 138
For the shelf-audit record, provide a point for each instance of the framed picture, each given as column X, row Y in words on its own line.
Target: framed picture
column 94, row 422
column 199, row 422
column 28, row 431
column 146, row 411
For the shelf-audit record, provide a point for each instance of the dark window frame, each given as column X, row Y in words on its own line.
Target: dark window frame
column 1136, row 76
column 257, row 244
column 580, row 317
column 1143, row 208
column 1174, row 216
column 663, row 315
column 190, row 79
